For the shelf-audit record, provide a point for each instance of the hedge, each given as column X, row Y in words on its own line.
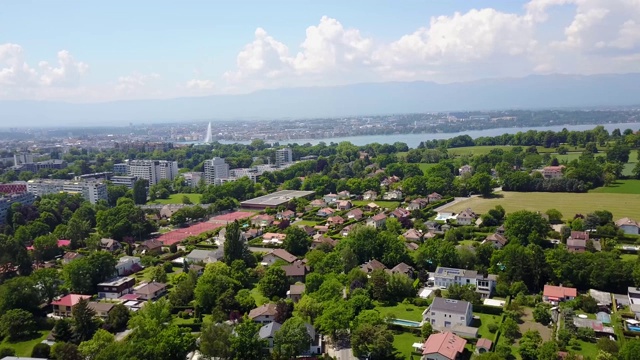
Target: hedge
column 195, row 327
column 486, row 309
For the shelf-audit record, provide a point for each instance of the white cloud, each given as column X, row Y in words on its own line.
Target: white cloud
column 135, row 82
column 68, row 71
column 200, row 84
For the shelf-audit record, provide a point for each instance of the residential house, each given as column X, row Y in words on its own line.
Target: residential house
column 168, row 210
column 321, row 229
column 70, row 256
column 496, row 240
column 109, row 245
column 577, row 241
column 295, row 292
column 629, row 226
column 115, row 288
column 335, row 220
column 403, row 268
column 273, row 238
column 264, row 314
column 320, row 240
column 412, row 246
column 355, row 214
column 485, row 285
column 296, row 272
column 324, row 212
column 128, row 265
column 64, row 306
column 346, row 230
column 465, row 170
column 483, row 346
column 371, row 207
column 428, row 235
column 633, row 293
column 448, row 313
column 330, row 198
column 102, row 309
column 344, row 195
column 278, row 254
column 500, row 230
column 344, row 205
column 443, row 346
column 400, row 213
column 603, row 298
column 412, row 235
column 369, row 195
column 377, row 221
column 250, row 234
column 151, row 291
column 372, row 265
column 392, row 195
column 557, row 294
column 150, row 247
column 466, row 217
column 417, row 204
column 434, row 197
column 318, row 203
column 286, row 215
column 268, row 332
column 198, row 256
column 263, row 220
column 199, row 270
column 308, row 229
column 432, row 225
column 552, row 172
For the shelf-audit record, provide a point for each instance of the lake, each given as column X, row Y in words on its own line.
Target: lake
column 413, row 140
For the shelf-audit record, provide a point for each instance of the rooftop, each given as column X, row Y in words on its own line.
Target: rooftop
column 70, row 300
column 450, row 305
column 446, row 344
column 277, row 198
column 559, row 291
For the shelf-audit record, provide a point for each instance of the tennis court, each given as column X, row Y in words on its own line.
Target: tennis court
column 236, row 215
column 176, row 236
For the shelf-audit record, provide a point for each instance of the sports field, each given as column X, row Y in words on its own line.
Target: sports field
column 569, row 204
column 175, row 236
column 620, row 187
column 177, row 199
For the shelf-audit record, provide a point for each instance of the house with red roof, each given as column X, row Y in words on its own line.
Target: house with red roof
column 64, row 306
column 443, row 346
column 556, row 294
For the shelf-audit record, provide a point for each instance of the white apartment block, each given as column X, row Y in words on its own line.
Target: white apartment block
column 127, row 181
column 215, row 170
column 485, row 285
column 93, row 191
column 7, row 201
column 153, row 170
column 284, row 156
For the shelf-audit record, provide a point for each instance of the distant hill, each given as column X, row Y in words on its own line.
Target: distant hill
column 532, row 92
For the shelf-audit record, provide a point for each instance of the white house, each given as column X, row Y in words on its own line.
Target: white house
column 392, row 195
column 377, row 221
column 448, row 313
column 264, row 314
column 198, row 256
column 329, row 198
column 629, row 226
column 278, row 254
column 465, row 169
column 369, row 195
column 466, row 217
column 445, row 277
column 128, row 265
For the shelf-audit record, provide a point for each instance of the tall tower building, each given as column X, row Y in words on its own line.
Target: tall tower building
column 284, row 156
column 214, row 170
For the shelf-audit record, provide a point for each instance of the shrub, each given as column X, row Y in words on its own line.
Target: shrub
column 492, row 328
column 7, row 351
column 41, row 350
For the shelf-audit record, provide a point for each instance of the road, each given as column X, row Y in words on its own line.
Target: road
column 341, row 354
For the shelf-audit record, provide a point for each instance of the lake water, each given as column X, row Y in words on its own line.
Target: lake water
column 413, row 140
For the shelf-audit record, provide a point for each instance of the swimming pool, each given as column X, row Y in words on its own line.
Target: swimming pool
column 407, row 323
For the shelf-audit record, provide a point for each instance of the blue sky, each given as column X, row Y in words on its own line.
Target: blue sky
column 100, row 51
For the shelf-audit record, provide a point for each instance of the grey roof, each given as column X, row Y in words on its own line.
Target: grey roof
column 150, row 288
column 269, row 330
column 201, row 254
column 101, row 306
column 277, row 198
column 632, row 290
column 296, row 289
column 450, row 305
column 601, row 297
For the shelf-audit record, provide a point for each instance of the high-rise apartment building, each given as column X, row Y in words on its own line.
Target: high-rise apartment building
column 151, row 170
column 93, row 191
column 284, row 156
column 215, row 170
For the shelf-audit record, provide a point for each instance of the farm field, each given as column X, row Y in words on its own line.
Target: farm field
column 177, row 199
column 569, row 204
column 620, row 187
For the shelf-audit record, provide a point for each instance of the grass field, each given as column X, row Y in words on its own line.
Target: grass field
column 381, row 203
column 403, row 343
column 620, row 187
column 569, row 204
column 628, row 168
column 483, row 324
column 23, row 349
column 258, row 297
column 629, row 257
column 177, row 199
column 306, row 222
column 425, row 166
column 402, row 311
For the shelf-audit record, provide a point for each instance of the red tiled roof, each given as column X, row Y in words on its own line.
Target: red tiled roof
column 559, row 291
column 446, row 344
column 70, row 300
column 484, row 343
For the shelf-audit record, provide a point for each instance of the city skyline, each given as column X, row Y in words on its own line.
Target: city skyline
column 92, row 52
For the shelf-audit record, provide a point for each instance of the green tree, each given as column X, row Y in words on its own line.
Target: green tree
column 41, row 350
column 426, row 330
column 62, row 331
column 245, row 300
column 246, row 344
column 542, row 314
column 372, row 341
column 215, row 281
column 48, row 283
column 608, row 345
column 297, row 241
column 510, row 329
column 184, row 288
column 274, row 282
column 7, row 351
column 525, row 226
column 548, row 351
column 84, row 321
column 619, row 152
column 140, row 191
column 118, row 318
column 19, row 293
column 235, row 248
column 17, row 324
column 334, row 319
column 630, row 350
column 292, row 339
column 65, row 351
column 90, row 348
column 555, row 216
column 84, row 274
column 126, row 219
column 481, row 183
column 215, row 341
column 158, row 274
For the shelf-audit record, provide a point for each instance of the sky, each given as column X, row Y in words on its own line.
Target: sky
column 97, row 51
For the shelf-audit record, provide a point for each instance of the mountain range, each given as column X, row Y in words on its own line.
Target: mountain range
column 531, row 92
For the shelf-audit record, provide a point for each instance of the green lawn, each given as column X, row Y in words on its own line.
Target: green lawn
column 177, row 199
column 24, row 348
column 306, row 222
column 467, row 242
column 628, row 168
column 402, row 311
column 588, row 349
column 629, row 257
column 403, row 341
column 620, row 187
column 425, row 166
column 483, row 324
column 476, row 150
column 569, row 204
column 258, row 297
column 381, row 203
